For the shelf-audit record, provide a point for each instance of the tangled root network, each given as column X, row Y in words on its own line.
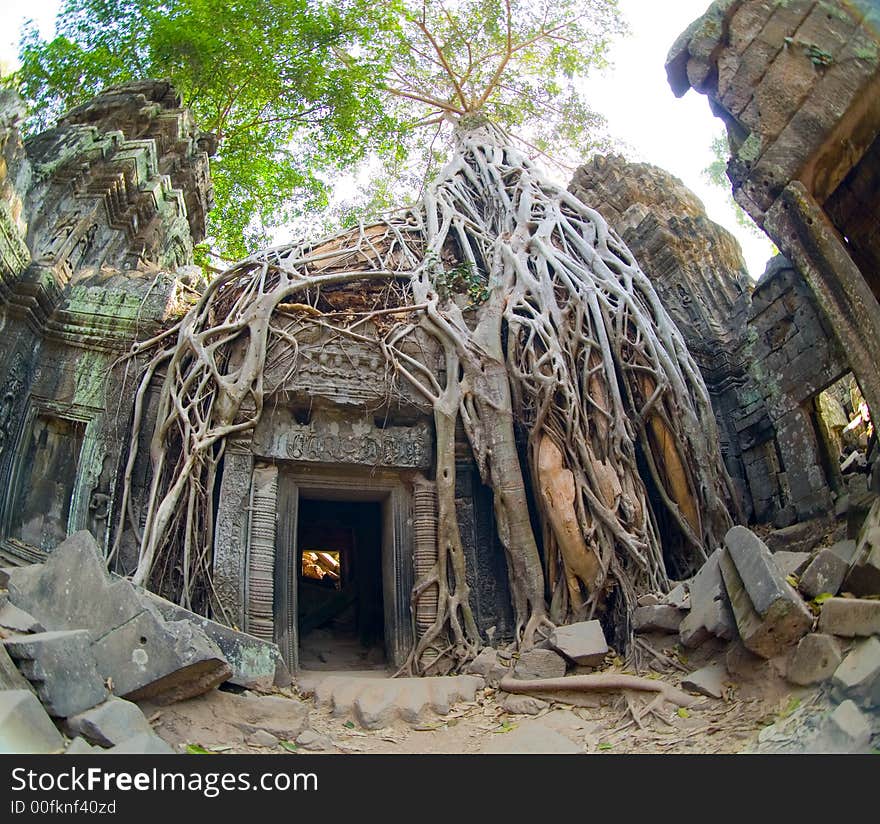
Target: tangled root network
column 568, row 375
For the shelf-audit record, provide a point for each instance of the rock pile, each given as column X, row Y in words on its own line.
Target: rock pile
column 815, row 614
column 78, row 646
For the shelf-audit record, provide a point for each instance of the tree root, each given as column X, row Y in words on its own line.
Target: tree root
column 599, row 682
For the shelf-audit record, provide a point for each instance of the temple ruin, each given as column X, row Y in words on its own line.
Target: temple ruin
column 317, row 515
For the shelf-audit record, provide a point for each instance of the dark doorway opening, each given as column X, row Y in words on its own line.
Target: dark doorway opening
column 340, row 609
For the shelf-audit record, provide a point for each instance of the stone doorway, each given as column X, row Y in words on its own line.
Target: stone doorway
column 339, row 584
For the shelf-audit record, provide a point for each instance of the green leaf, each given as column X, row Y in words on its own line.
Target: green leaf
column 822, row 598
column 290, row 746
column 349, row 724
column 198, row 749
column 505, row 727
column 683, row 713
column 604, row 745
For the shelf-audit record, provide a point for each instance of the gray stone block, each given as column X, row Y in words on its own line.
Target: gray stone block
column 710, row 613
column 583, row 643
column 678, row 597
column 858, row 676
column 73, row 589
column 660, row 618
column 489, row 666
column 79, row 746
column 532, row 737
column 539, row 663
column 10, row 677
column 824, row 574
column 790, row 563
column 846, row 730
column 254, row 661
column 708, row 681
column 784, row 622
column 523, row 704
column 62, row 669
column 141, row 744
column 311, row 740
column 850, row 617
column 845, row 550
column 149, row 660
column 143, row 655
column 25, row 729
column 816, row 658
column 112, row 722
column 11, row 617
column 799, row 537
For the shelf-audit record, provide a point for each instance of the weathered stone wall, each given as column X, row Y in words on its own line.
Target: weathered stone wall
column 797, row 84
column 765, row 351
column 93, row 230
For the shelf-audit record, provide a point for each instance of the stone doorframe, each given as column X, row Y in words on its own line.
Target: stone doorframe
column 255, row 570
column 391, row 490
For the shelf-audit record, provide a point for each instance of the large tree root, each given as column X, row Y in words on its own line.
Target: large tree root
column 599, row 682
column 563, row 369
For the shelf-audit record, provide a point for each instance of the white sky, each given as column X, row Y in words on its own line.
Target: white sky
column 642, row 112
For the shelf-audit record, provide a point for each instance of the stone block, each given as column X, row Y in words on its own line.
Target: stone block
column 790, row 563
column 10, row 677
column 800, row 537
column 784, row 622
column 539, row 663
column 143, row 655
column 710, row 613
column 846, row 730
column 708, row 681
column 583, row 643
column 62, row 669
column 311, row 740
column 858, row 676
column 824, row 574
column 815, row 660
column 523, row 704
column 110, row 723
column 255, row 663
column 79, row 746
column 678, row 597
column 25, row 729
column 72, row 589
column 161, row 662
column 489, row 666
column 850, row 617
column 845, row 550
column 11, row 617
column 145, row 743
column 863, row 577
column 660, row 618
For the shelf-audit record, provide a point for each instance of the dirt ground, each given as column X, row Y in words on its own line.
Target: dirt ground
column 759, row 712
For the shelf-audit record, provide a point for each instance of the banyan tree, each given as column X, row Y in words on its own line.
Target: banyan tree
column 583, row 409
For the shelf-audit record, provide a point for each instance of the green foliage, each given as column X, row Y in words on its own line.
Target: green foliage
column 463, row 279
column 297, row 90
column 716, row 174
column 276, row 81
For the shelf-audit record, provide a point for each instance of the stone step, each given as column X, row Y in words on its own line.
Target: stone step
column 377, row 702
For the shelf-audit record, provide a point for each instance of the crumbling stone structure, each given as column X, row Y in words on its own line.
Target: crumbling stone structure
column 765, row 350
column 98, row 218
column 797, row 84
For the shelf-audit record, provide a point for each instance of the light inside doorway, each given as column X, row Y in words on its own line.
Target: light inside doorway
column 340, row 612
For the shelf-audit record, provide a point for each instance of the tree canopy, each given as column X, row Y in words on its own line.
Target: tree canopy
column 295, row 89
column 275, row 81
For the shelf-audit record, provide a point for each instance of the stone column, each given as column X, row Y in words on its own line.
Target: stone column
column 230, row 535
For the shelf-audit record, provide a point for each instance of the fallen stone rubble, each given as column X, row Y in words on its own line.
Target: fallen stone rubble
column 79, row 646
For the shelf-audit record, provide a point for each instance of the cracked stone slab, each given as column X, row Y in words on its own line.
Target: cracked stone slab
column 584, row 643
column 376, row 702
column 110, row 723
column 62, row 669
column 25, row 728
column 143, row 655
